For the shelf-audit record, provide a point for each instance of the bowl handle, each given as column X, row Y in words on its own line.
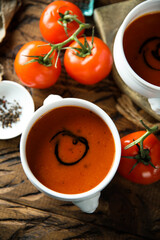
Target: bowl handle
column 88, row 205
column 155, row 104
column 52, row 98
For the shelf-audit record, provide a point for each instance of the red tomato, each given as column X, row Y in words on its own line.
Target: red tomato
column 92, row 68
column 34, row 74
column 142, row 174
column 50, row 29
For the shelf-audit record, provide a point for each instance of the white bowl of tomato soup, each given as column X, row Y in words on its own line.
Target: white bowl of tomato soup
column 70, row 150
column 136, row 51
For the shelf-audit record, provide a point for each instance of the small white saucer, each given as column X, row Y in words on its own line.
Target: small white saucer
column 13, row 91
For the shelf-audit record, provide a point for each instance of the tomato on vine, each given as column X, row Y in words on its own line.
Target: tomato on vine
column 33, row 68
column 59, row 20
column 88, row 60
column 140, row 161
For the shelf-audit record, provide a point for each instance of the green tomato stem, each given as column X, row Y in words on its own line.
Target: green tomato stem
column 143, row 155
column 65, row 18
column 80, row 44
column 72, row 18
column 59, row 46
column 141, row 139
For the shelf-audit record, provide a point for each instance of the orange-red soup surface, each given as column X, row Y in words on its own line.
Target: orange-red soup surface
column 70, row 150
column 141, row 44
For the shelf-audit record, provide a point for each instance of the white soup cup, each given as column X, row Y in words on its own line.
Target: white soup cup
column 86, row 201
column 135, row 82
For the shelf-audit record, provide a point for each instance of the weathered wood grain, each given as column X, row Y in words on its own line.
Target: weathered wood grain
column 126, row 210
column 25, row 222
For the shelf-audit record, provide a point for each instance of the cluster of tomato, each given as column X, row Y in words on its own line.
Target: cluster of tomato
column 87, row 70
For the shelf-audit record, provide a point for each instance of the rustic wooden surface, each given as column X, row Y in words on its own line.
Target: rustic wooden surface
column 126, row 210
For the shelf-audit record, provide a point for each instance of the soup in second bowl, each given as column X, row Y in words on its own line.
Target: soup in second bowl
column 141, row 43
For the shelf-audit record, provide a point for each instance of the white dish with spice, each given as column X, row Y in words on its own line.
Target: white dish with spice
column 16, row 108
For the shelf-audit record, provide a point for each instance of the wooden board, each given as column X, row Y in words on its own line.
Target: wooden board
column 108, row 22
column 126, row 210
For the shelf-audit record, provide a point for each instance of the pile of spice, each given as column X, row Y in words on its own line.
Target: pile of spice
column 9, row 112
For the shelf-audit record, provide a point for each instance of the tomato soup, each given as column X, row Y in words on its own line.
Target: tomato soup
column 70, row 149
column 141, row 44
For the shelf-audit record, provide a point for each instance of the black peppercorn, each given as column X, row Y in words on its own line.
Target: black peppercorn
column 9, row 112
